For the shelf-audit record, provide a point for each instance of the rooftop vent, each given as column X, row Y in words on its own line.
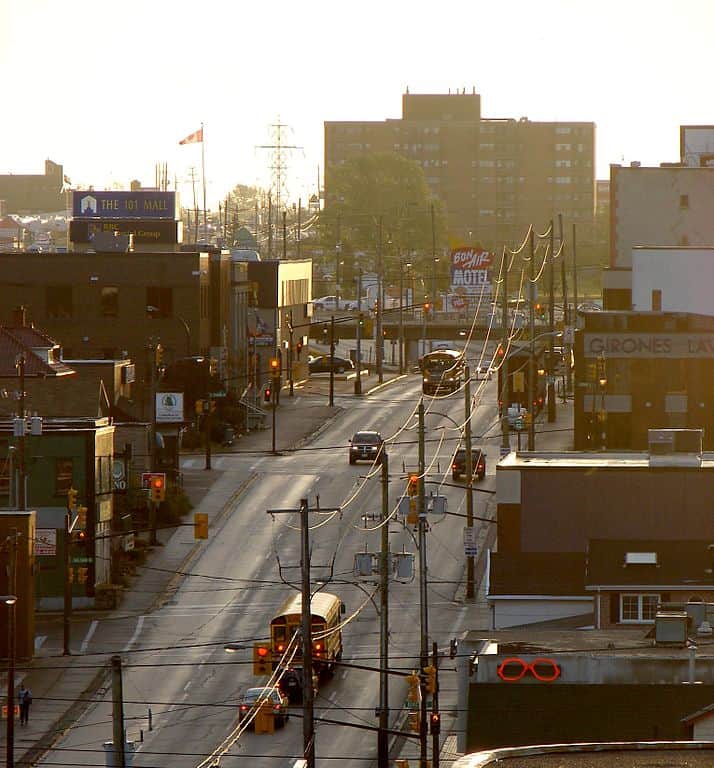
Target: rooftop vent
column 675, row 447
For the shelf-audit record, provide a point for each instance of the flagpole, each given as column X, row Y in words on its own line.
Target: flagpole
column 203, row 173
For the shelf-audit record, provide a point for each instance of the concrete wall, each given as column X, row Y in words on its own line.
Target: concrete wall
column 685, row 277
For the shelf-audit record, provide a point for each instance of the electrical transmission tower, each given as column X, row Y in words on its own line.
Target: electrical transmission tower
column 278, row 165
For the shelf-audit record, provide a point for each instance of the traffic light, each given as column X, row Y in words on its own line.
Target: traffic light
column 81, row 518
column 435, row 723
column 430, row 678
column 200, row 525
column 298, row 348
column 414, row 692
column 71, row 498
column 540, row 310
column 158, row 487
column 274, row 367
column 267, row 394
column 427, row 307
column 360, row 320
column 79, row 536
column 159, row 352
column 413, row 485
column 262, row 663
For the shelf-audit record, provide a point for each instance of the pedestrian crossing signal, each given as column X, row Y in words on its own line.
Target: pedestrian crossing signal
column 267, row 394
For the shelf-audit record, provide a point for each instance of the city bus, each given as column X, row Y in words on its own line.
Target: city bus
column 442, row 371
column 326, row 628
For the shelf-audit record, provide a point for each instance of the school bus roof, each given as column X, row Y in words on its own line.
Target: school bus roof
column 321, row 604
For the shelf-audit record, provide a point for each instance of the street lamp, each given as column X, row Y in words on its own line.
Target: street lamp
column 10, row 601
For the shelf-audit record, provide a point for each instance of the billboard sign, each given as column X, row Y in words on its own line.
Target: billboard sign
column 149, row 232
column 141, row 204
column 470, row 270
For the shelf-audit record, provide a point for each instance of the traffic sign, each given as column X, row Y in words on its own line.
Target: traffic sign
column 470, row 542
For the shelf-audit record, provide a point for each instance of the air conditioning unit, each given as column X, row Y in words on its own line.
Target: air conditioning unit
column 671, row 628
column 675, row 447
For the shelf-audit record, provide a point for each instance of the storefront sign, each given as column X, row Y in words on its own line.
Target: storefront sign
column 643, row 345
column 46, row 542
column 141, row 204
column 169, row 407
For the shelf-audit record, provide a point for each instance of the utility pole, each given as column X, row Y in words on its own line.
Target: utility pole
column 424, row 617
column 298, row 240
column 118, row 713
column 360, row 318
column 401, row 318
column 566, row 311
column 338, row 251
column 574, row 318
column 11, row 574
column 67, row 607
column 435, row 708
column 332, row 361
column 285, row 235
column 531, row 357
column 308, row 697
column 551, row 327
column 469, row 474
column 21, row 464
column 382, row 740
column 290, row 351
column 378, row 341
column 503, row 365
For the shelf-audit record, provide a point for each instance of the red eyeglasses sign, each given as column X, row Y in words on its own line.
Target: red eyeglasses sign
column 513, row 669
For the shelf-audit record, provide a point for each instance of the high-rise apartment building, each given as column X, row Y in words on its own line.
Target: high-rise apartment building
column 494, row 176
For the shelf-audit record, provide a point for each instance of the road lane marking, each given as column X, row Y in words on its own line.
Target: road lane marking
column 90, row 632
column 135, row 636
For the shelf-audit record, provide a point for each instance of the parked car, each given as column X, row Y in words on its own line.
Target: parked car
column 366, row 446
column 250, row 699
column 321, row 364
column 478, row 464
column 327, row 303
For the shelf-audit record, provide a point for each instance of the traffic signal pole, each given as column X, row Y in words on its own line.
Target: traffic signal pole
column 424, row 616
column 503, row 369
column 531, row 357
column 469, row 475
column 382, row 740
column 435, row 714
column 550, row 372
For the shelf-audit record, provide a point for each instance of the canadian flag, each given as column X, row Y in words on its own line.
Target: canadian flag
column 193, row 138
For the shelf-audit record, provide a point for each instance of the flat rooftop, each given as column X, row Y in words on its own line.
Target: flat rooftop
column 590, row 459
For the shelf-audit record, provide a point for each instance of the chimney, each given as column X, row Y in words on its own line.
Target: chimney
column 19, row 317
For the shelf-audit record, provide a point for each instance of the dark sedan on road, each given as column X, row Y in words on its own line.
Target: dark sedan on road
column 253, row 697
column 321, row 364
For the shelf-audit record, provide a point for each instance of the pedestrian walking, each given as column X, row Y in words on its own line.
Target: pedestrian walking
column 25, row 698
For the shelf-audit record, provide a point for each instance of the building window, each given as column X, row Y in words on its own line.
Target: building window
column 58, row 301
column 657, row 300
column 63, row 476
column 684, row 201
column 109, row 301
column 638, row 609
column 159, row 300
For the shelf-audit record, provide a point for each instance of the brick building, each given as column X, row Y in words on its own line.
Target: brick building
column 495, row 176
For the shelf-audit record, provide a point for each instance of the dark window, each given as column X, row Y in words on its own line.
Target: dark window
column 63, row 476
column 109, row 301
column 657, row 301
column 159, row 301
column 58, row 301
column 684, row 201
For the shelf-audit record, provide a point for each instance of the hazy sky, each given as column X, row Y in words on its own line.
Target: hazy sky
column 109, row 89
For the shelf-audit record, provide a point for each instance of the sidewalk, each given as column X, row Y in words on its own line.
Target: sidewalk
column 62, row 685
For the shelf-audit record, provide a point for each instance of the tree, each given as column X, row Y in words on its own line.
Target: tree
column 386, row 187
